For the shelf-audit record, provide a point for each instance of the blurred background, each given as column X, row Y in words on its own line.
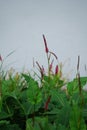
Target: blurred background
column 63, row 22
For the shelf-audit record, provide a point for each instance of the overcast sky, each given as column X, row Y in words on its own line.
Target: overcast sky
column 63, row 22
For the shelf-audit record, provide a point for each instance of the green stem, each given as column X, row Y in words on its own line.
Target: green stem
column 34, row 116
column 0, row 87
column 48, row 59
column 22, row 108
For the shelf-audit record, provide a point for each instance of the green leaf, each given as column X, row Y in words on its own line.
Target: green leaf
column 5, row 125
column 4, row 115
column 0, row 103
column 73, row 87
column 76, row 120
column 4, row 122
column 61, row 127
column 29, row 125
column 58, row 96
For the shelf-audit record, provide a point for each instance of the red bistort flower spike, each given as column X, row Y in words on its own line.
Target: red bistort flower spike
column 47, row 102
column 0, row 58
column 45, row 42
column 41, row 69
column 54, row 55
column 56, row 70
column 51, row 65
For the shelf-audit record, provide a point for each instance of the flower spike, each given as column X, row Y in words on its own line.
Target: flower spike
column 54, row 55
column 51, row 65
column 56, row 70
column 0, row 58
column 41, row 69
column 45, row 42
column 47, row 103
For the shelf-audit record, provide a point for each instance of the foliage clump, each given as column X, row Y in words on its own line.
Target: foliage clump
column 53, row 103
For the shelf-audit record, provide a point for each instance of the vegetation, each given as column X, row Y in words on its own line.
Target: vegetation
column 53, row 103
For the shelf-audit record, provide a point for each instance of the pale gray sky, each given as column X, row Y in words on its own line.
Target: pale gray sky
column 64, row 23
